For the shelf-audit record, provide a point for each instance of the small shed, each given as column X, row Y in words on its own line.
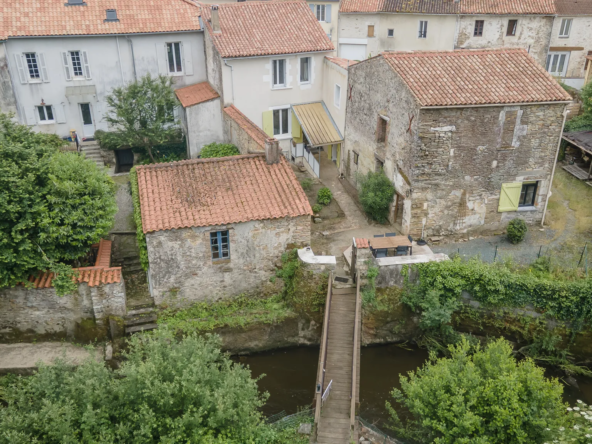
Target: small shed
column 582, row 163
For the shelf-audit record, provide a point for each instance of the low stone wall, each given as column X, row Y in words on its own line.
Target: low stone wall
column 242, row 132
column 35, row 313
column 391, row 268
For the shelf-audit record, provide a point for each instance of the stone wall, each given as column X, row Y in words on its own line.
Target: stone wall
column 181, row 267
column 7, row 99
column 234, row 133
column 27, row 313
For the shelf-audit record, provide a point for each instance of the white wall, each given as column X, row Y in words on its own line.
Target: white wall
column 204, row 126
column 533, row 33
column 335, row 75
column 579, row 36
column 440, row 34
column 329, row 27
column 110, row 67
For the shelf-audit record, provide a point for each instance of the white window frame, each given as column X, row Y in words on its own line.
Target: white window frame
column 300, row 81
column 275, row 70
column 337, row 96
column 38, row 79
column 548, row 65
column 565, row 28
column 176, row 62
column 390, row 33
column 75, row 76
column 282, row 135
column 46, row 121
column 422, row 32
column 321, row 13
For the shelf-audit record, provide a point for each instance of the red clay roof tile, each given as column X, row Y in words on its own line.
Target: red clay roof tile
column 544, row 7
column 206, row 192
column 194, row 94
column 343, row 63
column 256, row 133
column 475, row 77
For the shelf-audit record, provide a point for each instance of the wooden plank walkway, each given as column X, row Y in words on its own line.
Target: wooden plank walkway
column 576, row 171
column 334, row 424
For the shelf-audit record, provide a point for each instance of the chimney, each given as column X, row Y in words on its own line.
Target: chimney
column 215, row 19
column 272, row 151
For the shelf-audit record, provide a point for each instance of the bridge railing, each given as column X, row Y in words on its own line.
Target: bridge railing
column 323, row 358
column 354, row 384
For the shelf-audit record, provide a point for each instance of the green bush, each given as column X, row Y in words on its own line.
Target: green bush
column 517, row 231
column 324, row 196
column 479, row 396
column 306, row 184
column 316, row 209
column 138, row 219
column 218, row 150
column 583, row 122
column 376, row 195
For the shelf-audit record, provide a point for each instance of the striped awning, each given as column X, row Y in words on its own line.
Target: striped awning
column 317, row 124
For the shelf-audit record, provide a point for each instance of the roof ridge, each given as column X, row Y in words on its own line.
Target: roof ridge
column 194, row 161
column 451, row 52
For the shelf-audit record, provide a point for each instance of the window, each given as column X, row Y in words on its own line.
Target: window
column 111, row 15
column 527, row 194
column 280, row 121
column 370, row 30
column 479, row 28
column 381, row 130
column 423, row 29
column 174, row 57
column 512, row 26
column 565, row 28
column 45, row 114
column 305, row 70
column 32, row 65
column 76, row 64
column 379, row 165
column 337, row 97
column 279, row 73
column 390, row 33
column 219, row 245
column 557, row 63
column 321, row 13
column 356, row 158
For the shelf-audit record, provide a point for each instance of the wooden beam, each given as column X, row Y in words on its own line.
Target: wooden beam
column 566, row 48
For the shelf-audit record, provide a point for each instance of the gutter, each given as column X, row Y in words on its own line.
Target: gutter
column 276, row 55
column 558, row 102
column 131, row 43
column 16, row 102
column 120, row 64
column 101, row 35
column 231, row 78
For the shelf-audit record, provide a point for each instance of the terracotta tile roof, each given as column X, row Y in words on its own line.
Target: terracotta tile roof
column 266, row 28
column 207, row 192
column 450, row 6
column 100, row 274
column 52, row 17
column 362, row 243
column 573, row 7
column 194, row 94
column 343, row 63
column 256, row 133
column 475, row 77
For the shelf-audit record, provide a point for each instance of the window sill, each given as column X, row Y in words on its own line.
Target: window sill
column 220, row 261
column 47, row 122
column 282, row 136
column 35, row 81
column 176, row 74
column 530, row 208
column 277, row 88
column 304, row 83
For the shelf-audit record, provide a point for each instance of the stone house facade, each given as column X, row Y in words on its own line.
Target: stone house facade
column 467, row 147
column 217, row 227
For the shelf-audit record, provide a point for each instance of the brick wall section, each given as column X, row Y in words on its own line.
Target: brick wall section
column 181, row 267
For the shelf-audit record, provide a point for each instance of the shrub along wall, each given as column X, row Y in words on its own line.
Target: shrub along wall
column 138, row 219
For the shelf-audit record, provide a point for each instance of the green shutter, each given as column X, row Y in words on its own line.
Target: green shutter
column 268, row 123
column 509, row 197
column 296, row 130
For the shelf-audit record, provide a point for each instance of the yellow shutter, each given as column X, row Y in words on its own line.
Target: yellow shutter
column 338, row 155
column 268, row 123
column 296, row 130
column 509, row 196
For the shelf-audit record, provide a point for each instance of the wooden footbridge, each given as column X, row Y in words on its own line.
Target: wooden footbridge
column 338, row 376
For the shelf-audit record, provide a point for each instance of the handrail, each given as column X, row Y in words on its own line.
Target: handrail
column 327, row 392
column 352, row 413
column 323, row 357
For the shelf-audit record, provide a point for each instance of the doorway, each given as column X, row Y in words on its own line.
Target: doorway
column 124, row 160
column 88, row 125
column 557, row 63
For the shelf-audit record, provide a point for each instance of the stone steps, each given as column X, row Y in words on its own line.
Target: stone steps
column 92, row 151
column 140, row 318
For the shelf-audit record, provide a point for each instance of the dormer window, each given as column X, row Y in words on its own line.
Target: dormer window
column 111, row 15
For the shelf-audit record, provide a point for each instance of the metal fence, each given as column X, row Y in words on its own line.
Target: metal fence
column 378, row 436
column 312, row 161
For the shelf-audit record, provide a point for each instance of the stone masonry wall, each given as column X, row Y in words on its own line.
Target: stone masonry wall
column 464, row 155
column 181, row 267
column 235, row 134
column 31, row 312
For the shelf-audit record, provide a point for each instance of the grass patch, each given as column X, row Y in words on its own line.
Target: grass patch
column 578, row 196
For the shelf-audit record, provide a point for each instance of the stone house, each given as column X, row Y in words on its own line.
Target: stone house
column 468, row 146
column 217, row 227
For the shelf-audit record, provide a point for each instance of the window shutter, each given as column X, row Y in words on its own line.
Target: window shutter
column 296, row 129
column 312, row 8
column 59, row 112
column 328, row 14
column 42, row 67
column 86, row 64
column 268, row 123
column 509, row 197
column 161, row 57
column 66, row 63
column 20, row 66
column 188, row 67
column 30, row 115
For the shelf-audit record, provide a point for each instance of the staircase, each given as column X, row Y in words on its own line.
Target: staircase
column 92, row 151
column 129, row 264
column 140, row 318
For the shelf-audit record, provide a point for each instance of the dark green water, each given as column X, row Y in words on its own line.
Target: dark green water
column 291, row 374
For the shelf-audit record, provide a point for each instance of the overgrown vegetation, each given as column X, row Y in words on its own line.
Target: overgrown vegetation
column 376, row 195
column 53, row 206
column 317, row 208
column 517, row 230
column 324, row 196
column 306, row 184
column 141, row 237
column 578, row 425
column 479, row 396
column 167, row 152
column 583, row 122
column 218, row 150
column 369, row 290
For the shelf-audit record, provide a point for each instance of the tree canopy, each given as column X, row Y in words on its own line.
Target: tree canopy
column 479, row 396
column 141, row 113
column 376, row 195
column 165, row 391
column 53, row 205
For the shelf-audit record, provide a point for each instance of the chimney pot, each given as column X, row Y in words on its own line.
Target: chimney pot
column 272, row 151
column 215, row 19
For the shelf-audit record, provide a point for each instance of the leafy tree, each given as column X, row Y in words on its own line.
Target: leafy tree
column 376, row 194
column 166, row 391
column 583, row 122
column 53, row 205
column 141, row 113
column 484, row 397
column 218, row 150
